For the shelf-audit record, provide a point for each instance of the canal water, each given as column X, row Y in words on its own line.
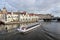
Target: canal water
column 47, row 31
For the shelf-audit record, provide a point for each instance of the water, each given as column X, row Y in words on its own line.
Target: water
column 47, row 31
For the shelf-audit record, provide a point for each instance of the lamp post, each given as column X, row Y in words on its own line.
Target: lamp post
column 18, row 16
column 12, row 14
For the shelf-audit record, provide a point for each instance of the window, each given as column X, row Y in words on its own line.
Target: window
column 9, row 16
column 26, row 18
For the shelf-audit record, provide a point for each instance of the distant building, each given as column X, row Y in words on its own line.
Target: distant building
column 45, row 16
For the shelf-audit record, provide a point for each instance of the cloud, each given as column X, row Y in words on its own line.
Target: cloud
column 38, row 6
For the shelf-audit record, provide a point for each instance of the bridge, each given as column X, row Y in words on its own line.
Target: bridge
column 50, row 19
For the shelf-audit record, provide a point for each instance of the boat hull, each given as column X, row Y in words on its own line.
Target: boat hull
column 29, row 29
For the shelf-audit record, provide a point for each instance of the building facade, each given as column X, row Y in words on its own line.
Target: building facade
column 17, row 16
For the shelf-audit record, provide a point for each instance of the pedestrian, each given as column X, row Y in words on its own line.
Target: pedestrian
column 6, row 29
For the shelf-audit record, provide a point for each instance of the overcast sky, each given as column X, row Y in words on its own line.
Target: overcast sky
column 36, row 6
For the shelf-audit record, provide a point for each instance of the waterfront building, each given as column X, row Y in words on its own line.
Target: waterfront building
column 17, row 16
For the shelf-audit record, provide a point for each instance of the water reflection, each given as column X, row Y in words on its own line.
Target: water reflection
column 11, row 27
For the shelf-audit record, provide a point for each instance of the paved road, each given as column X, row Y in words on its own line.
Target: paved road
column 47, row 31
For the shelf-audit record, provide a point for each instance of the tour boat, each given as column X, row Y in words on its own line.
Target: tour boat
column 26, row 29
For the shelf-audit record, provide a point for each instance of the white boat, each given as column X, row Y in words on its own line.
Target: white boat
column 26, row 29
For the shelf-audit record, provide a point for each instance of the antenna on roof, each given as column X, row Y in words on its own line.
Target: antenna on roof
column 4, row 3
column 11, row 12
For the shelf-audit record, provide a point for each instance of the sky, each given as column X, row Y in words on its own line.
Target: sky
column 35, row 6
